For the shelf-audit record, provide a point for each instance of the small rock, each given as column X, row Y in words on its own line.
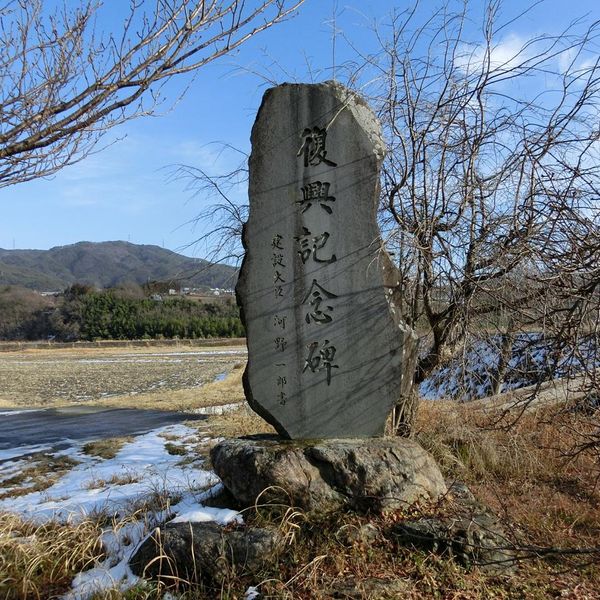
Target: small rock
column 350, row 534
column 372, row 587
column 203, row 552
column 373, row 474
column 473, row 535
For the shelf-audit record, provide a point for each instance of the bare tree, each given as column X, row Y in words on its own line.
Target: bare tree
column 64, row 84
column 224, row 214
column 491, row 184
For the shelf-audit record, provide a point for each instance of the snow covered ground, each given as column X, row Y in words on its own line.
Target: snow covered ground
column 162, row 464
column 532, row 359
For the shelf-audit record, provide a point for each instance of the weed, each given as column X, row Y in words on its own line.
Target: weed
column 115, row 479
column 175, row 449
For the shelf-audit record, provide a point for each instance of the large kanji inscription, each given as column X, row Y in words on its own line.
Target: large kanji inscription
column 326, row 355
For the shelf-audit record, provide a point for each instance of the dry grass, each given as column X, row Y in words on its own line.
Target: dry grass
column 213, row 393
column 116, row 479
column 39, row 472
column 243, row 421
column 39, row 561
column 525, row 472
column 107, row 448
column 175, row 449
column 327, row 558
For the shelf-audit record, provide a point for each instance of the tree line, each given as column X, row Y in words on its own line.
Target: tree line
column 120, row 314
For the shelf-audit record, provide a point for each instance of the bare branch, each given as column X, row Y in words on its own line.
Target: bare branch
column 63, row 86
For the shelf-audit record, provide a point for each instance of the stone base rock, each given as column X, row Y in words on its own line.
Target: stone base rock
column 472, row 534
column 375, row 474
column 203, row 552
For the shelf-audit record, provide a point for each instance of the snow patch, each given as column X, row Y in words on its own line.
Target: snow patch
column 216, row 410
column 532, row 359
column 141, row 468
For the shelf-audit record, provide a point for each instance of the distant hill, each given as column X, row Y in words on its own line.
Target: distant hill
column 106, row 264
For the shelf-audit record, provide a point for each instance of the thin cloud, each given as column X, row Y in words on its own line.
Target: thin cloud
column 503, row 56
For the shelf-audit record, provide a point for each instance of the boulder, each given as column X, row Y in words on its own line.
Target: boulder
column 367, row 475
column 203, row 552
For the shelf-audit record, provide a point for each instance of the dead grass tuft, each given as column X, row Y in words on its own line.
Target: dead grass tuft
column 240, row 422
column 40, row 472
column 107, row 448
column 39, row 561
column 115, row 479
column 175, row 449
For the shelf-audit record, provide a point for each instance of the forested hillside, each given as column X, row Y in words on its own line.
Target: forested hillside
column 108, row 264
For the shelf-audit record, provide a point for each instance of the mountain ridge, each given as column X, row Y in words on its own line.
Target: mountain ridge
column 107, row 264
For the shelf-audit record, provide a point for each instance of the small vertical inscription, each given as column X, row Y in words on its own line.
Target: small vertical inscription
column 279, row 320
column 278, row 265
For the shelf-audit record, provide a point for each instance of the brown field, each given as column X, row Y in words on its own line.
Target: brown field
column 161, row 377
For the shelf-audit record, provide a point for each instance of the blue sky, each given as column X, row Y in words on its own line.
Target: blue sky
column 125, row 192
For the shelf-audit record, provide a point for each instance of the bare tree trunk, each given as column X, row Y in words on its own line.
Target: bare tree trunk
column 405, row 413
column 497, row 377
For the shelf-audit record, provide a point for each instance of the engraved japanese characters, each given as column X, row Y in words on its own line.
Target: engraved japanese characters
column 325, row 353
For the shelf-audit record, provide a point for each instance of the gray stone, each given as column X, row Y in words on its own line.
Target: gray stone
column 364, row 535
column 328, row 356
column 372, row 588
column 203, row 552
column 377, row 474
column 471, row 534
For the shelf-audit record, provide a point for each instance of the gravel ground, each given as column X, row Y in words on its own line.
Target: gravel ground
column 42, row 377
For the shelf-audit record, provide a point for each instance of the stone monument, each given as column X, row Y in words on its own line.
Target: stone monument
column 327, row 357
